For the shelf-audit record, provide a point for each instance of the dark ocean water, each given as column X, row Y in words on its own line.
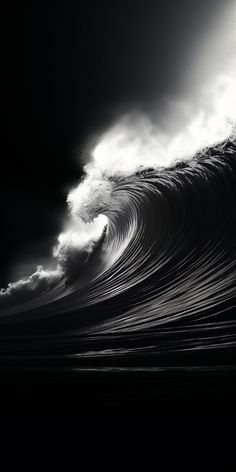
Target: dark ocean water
column 149, row 322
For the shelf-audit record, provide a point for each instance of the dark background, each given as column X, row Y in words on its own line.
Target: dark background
column 70, row 70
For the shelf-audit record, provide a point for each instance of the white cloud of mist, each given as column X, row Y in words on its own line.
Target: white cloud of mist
column 136, row 142
column 79, row 236
column 41, row 280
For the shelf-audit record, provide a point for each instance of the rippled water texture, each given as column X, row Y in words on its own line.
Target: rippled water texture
column 159, row 287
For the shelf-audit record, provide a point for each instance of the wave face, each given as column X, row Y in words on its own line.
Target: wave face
column 158, row 286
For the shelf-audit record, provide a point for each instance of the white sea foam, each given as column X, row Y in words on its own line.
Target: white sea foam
column 79, row 235
column 39, row 281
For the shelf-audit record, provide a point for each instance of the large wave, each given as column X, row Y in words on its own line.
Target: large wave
column 154, row 276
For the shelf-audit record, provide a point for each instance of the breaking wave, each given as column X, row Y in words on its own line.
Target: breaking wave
column 151, row 275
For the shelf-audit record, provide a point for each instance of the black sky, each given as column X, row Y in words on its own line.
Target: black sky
column 70, row 69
